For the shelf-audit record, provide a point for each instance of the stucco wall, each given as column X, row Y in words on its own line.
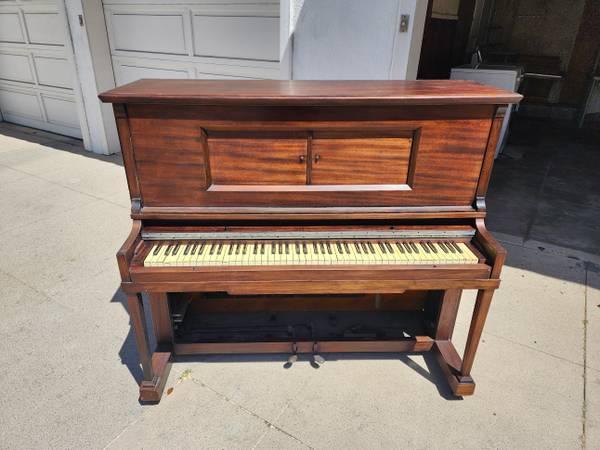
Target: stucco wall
column 354, row 39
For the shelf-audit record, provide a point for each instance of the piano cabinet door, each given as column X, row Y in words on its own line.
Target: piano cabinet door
column 239, row 161
column 360, row 161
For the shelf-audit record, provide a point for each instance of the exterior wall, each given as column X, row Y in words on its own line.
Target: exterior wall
column 533, row 27
column 354, row 39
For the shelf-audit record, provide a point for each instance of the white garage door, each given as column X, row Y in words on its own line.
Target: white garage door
column 193, row 39
column 36, row 68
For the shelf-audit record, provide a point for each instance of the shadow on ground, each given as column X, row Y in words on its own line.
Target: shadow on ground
column 545, row 186
column 56, row 141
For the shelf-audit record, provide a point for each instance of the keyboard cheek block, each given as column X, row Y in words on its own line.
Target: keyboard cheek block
column 307, row 217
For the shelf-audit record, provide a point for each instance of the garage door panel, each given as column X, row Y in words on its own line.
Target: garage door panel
column 20, row 103
column 53, row 71
column 10, row 28
column 152, row 33
column 193, row 39
column 128, row 73
column 237, row 37
column 15, row 67
column 44, row 28
column 37, row 77
column 60, row 111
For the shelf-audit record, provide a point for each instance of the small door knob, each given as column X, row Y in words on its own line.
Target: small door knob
column 301, row 158
column 317, row 158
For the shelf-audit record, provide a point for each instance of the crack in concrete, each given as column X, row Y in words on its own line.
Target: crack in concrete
column 585, row 329
column 270, row 425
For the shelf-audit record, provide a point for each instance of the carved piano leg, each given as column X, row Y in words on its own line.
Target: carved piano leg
column 156, row 365
column 457, row 371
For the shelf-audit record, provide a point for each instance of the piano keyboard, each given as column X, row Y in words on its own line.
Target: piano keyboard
column 303, row 252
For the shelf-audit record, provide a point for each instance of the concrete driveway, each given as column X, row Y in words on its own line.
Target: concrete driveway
column 69, row 369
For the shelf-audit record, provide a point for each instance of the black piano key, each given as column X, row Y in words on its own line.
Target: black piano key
column 230, row 251
column 194, row 248
column 297, row 248
column 382, row 247
column 322, row 248
column 273, row 248
column 346, row 247
column 186, row 251
column 339, row 247
column 389, row 247
column 371, row 248
column 202, row 247
column 458, row 249
column 255, row 248
column 407, row 247
column 156, row 250
column 443, row 247
column 262, row 248
column 176, row 250
column 213, row 247
column 424, row 246
column 304, row 248
column 399, row 245
column 279, row 248
column 357, row 248
column 315, row 248
column 328, row 247
column 432, row 247
column 287, row 248
column 414, row 247
column 220, row 249
column 244, row 247
column 450, row 247
column 169, row 250
column 238, row 247
column 364, row 247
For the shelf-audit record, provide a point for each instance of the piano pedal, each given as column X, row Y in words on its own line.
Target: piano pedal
column 293, row 357
column 317, row 360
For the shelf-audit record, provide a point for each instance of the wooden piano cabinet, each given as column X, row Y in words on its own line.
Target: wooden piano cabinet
column 304, row 155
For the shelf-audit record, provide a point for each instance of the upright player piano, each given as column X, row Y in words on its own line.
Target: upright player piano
column 307, row 217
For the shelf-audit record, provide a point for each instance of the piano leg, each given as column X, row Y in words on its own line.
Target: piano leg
column 482, row 306
column 457, row 371
column 155, row 365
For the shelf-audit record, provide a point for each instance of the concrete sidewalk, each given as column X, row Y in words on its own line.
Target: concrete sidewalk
column 69, row 369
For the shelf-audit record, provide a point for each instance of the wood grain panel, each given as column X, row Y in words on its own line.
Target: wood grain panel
column 170, row 165
column 448, row 161
column 359, row 161
column 254, row 161
column 272, row 92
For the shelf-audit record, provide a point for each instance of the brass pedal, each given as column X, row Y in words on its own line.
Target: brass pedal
column 317, row 360
column 293, row 357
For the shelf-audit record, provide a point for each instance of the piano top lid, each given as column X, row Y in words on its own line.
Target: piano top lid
column 309, row 93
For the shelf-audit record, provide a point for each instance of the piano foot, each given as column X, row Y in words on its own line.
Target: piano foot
column 151, row 390
column 450, row 364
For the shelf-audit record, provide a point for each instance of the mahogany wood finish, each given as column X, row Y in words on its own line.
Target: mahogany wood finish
column 300, row 155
